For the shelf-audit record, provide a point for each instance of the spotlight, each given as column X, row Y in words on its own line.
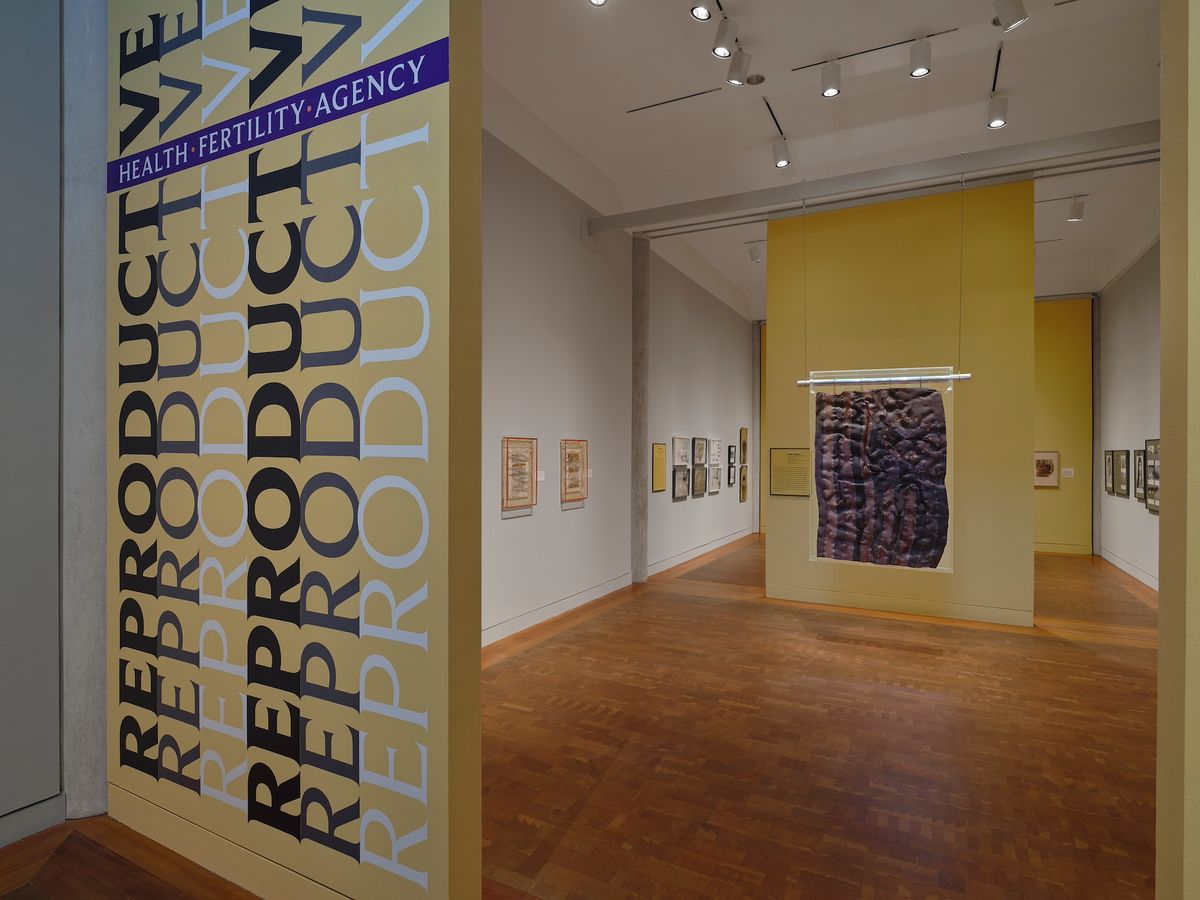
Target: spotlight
column 739, row 68
column 997, row 112
column 1076, row 213
column 920, row 59
column 782, row 158
column 831, row 79
column 1010, row 14
column 756, row 254
column 726, row 38
column 597, row 2
column 701, row 12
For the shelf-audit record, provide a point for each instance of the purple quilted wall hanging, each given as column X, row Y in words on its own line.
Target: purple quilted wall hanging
column 880, row 461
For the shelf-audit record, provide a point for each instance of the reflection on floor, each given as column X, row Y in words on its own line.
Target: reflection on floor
column 693, row 739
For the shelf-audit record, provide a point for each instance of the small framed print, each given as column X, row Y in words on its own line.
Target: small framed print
column 732, row 456
column 1045, row 468
column 681, row 451
column 573, row 466
column 699, row 452
column 744, row 484
column 714, row 479
column 1121, row 473
column 518, row 482
column 714, row 452
column 744, row 443
column 699, row 480
column 1139, row 474
column 680, row 482
column 733, row 473
column 1108, row 472
column 1153, row 474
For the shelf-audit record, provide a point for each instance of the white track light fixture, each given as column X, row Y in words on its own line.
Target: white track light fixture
column 1076, row 212
column 997, row 112
column 739, row 68
column 701, row 12
column 597, row 2
column 783, row 159
column 920, row 59
column 756, row 254
column 1010, row 14
column 831, row 79
column 726, row 41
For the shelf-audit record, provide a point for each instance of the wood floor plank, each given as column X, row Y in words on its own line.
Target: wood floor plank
column 695, row 741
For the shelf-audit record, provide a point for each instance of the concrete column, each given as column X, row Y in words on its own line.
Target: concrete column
column 85, row 79
column 640, row 468
column 1178, row 807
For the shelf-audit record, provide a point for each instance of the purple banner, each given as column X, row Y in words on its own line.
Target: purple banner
column 402, row 76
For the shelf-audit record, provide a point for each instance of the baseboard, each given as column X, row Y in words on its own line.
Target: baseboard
column 1130, row 569
column 21, row 823
column 687, row 555
column 989, row 614
column 1063, row 549
column 553, row 610
column 230, row 860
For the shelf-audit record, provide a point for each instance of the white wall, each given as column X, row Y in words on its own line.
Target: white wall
column 1129, row 410
column 701, row 385
column 557, row 363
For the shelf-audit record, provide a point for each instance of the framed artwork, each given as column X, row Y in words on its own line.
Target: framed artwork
column 743, row 484
column 714, row 452
column 680, row 482
column 1108, row 472
column 1139, row 474
column 733, row 473
column 714, row 479
column 733, row 454
column 744, row 443
column 700, row 480
column 1045, row 468
column 658, row 468
column 1121, row 473
column 699, row 452
column 791, row 472
column 681, row 451
column 574, row 470
column 1153, row 474
column 518, row 473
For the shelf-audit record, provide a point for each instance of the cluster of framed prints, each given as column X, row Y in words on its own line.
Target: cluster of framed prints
column 699, row 465
column 519, row 473
column 1146, row 473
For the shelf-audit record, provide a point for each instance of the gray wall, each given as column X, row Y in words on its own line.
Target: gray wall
column 29, row 370
column 1129, row 410
column 83, row 400
column 701, row 385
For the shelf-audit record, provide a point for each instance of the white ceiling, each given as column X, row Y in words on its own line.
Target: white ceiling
column 1076, row 66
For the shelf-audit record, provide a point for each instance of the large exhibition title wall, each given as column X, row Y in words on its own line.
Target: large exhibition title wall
column 292, row 570
column 945, row 280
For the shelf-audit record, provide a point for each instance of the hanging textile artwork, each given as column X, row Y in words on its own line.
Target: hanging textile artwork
column 880, row 466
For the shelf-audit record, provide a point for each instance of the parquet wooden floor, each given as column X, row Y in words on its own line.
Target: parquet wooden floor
column 692, row 739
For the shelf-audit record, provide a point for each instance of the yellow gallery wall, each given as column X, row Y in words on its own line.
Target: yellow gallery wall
column 1062, row 392
column 940, row 280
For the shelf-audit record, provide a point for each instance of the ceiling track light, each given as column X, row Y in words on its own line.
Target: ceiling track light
column 997, row 112
column 701, row 12
column 783, row 159
column 920, row 59
column 1076, row 212
column 726, row 41
column 1010, row 14
column 831, row 79
column 739, row 68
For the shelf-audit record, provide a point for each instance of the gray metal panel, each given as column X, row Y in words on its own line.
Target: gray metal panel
column 29, row 404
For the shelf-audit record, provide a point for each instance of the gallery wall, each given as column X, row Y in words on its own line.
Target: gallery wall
column 557, row 363
column 935, row 281
column 701, row 385
column 1129, row 409
column 1062, row 366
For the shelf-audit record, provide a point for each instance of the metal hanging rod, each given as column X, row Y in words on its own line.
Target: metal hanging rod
column 883, row 379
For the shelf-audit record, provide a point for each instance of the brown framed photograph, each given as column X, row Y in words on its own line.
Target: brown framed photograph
column 681, row 483
column 700, row 480
column 1139, row 474
column 1121, row 473
column 518, row 473
column 744, row 444
column 1045, row 468
column 699, row 451
column 1108, row 472
column 1153, row 474
column 744, row 484
column 573, row 469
